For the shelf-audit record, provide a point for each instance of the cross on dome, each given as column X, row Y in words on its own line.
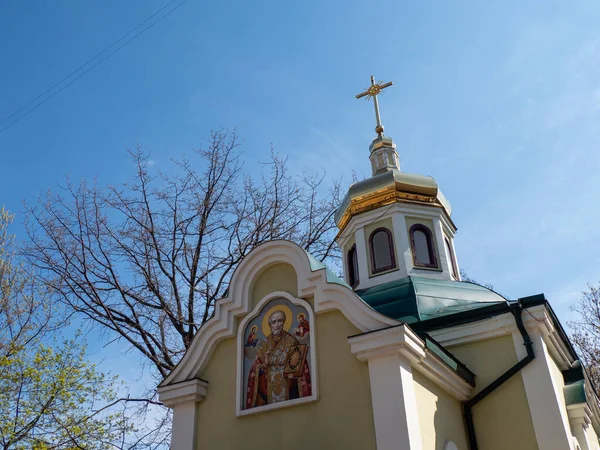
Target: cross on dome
column 373, row 91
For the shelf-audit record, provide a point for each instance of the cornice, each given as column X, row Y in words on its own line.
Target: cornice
column 406, row 209
column 399, row 339
column 384, row 197
column 403, row 341
column 579, row 414
column 186, row 391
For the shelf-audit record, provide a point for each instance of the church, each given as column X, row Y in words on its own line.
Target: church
column 399, row 355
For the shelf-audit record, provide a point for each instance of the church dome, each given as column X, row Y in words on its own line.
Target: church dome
column 387, row 188
column 415, row 299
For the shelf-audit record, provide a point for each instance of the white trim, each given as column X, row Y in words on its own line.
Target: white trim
column 240, row 391
column 579, row 414
column 362, row 255
column 186, row 391
column 397, row 213
column 412, row 210
column 443, row 258
column 399, row 339
column 404, row 259
column 442, row 375
column 534, row 318
column 579, row 419
column 392, row 355
column 395, row 410
column 488, row 328
column 403, row 340
column 544, row 395
column 327, row 297
column 185, row 423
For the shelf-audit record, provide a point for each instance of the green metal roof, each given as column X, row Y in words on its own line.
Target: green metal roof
column 574, row 389
column 315, row 265
column 414, row 299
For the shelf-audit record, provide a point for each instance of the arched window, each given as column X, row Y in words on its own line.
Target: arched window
column 382, row 250
column 421, row 243
column 352, row 262
column 451, row 256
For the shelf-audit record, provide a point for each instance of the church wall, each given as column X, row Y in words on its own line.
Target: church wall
column 440, row 415
column 502, row 420
column 278, row 277
column 342, row 418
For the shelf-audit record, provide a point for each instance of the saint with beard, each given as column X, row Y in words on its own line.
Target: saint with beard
column 267, row 382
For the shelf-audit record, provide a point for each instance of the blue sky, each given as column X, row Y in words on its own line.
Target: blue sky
column 498, row 101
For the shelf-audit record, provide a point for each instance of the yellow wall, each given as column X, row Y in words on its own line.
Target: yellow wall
column 502, row 419
column 342, row 418
column 440, row 415
column 278, row 277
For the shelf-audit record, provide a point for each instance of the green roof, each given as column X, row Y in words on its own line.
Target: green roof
column 414, row 299
column 315, row 265
column 574, row 389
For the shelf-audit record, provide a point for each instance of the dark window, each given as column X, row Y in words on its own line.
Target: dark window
column 382, row 250
column 352, row 267
column 451, row 256
column 421, row 244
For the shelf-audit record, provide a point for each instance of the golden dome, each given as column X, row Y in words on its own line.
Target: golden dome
column 387, row 188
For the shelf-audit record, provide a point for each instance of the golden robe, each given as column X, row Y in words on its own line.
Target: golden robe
column 266, row 381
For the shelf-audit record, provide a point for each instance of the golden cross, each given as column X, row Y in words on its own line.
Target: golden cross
column 373, row 91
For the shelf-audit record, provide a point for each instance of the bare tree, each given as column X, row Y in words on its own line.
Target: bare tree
column 585, row 331
column 147, row 260
column 51, row 397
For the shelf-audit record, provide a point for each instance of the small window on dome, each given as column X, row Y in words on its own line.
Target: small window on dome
column 382, row 250
column 352, row 262
column 421, row 243
column 451, row 256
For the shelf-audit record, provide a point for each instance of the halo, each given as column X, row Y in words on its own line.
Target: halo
column 288, row 318
column 254, row 328
column 300, row 314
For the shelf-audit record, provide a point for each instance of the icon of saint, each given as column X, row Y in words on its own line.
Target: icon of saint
column 252, row 339
column 303, row 326
column 267, row 382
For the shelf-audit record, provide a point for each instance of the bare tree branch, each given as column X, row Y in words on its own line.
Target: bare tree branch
column 147, row 260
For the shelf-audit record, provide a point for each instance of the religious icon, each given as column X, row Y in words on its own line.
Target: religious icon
column 252, row 339
column 276, row 363
column 303, row 326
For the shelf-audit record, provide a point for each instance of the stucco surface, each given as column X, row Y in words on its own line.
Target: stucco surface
column 502, row 420
column 440, row 415
column 342, row 418
column 278, row 277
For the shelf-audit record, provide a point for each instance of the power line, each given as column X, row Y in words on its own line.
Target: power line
column 135, row 36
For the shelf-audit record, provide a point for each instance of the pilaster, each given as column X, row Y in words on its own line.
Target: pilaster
column 402, row 244
column 183, row 398
column 394, row 402
column 579, row 417
column 441, row 247
column 363, row 258
column 552, row 430
column 390, row 354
